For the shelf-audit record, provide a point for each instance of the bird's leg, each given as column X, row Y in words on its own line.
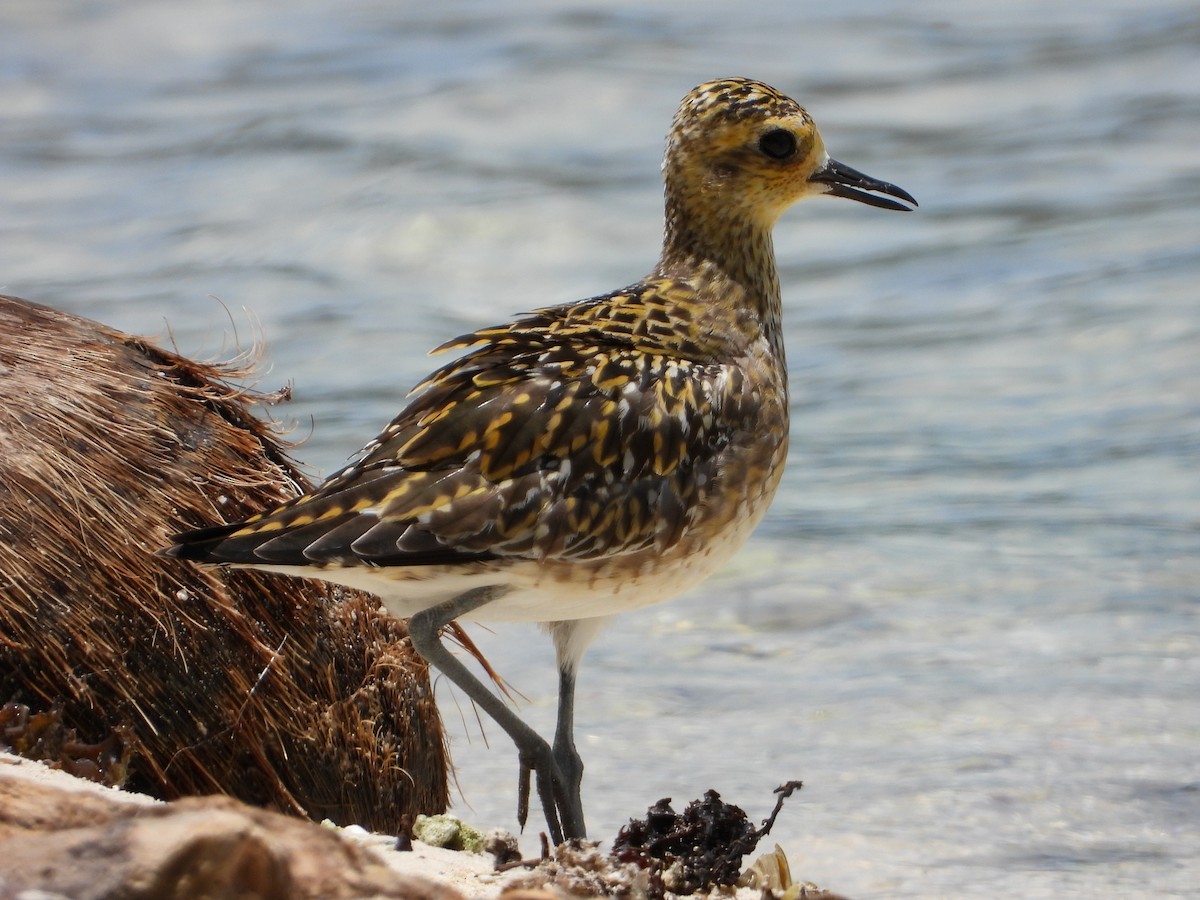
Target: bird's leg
column 567, row 761
column 566, row 757
column 571, row 640
column 424, row 630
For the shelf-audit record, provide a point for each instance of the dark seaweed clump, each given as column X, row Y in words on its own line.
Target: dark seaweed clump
column 695, row 850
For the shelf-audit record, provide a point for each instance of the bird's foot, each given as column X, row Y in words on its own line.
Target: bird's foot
column 557, row 792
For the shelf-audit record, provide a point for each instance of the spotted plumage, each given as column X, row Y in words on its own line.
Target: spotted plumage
column 593, row 457
column 585, row 432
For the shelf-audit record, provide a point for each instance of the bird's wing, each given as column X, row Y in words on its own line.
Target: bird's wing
column 534, row 446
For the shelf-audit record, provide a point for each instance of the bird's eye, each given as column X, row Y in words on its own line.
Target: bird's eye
column 778, row 143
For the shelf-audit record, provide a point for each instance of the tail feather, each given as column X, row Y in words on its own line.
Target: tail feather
column 302, row 545
column 211, row 545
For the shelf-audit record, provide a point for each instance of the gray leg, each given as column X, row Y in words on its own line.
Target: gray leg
column 567, row 762
column 571, row 640
column 566, row 757
column 558, row 800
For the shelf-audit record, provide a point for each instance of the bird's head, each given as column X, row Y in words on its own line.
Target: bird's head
column 740, row 149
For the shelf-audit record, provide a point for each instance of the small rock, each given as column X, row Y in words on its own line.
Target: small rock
column 449, row 832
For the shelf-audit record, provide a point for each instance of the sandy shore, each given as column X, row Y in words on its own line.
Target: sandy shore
column 45, row 812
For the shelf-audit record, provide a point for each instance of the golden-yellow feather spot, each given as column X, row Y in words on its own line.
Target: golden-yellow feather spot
column 264, row 527
column 500, row 421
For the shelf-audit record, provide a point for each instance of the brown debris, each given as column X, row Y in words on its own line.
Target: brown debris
column 62, row 842
column 45, row 736
column 577, row 869
column 162, row 676
column 698, row 852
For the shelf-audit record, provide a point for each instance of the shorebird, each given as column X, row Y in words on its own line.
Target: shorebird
column 589, row 458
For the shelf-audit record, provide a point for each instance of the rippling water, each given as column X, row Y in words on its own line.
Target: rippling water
column 970, row 621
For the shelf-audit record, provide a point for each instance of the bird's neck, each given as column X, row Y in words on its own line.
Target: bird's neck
column 725, row 250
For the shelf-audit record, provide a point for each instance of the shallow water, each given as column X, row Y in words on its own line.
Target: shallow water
column 970, row 621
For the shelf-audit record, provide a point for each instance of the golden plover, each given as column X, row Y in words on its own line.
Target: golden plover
column 589, row 458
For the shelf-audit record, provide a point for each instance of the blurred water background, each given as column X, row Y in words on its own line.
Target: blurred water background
column 970, row 621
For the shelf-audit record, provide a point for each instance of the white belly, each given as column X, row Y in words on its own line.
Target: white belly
column 538, row 592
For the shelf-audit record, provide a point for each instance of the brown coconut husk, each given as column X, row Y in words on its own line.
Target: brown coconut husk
column 162, row 676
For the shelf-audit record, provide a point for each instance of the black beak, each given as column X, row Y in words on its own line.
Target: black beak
column 844, row 181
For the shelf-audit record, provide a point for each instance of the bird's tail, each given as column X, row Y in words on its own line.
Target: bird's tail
column 209, row 545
